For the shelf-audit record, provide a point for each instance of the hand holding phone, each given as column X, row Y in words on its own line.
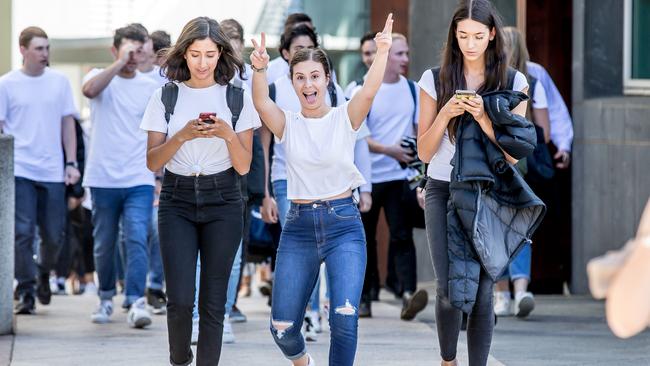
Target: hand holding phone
column 205, row 117
column 465, row 94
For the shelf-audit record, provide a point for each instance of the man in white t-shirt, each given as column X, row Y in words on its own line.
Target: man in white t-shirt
column 37, row 108
column 150, row 65
column 392, row 116
column 121, row 185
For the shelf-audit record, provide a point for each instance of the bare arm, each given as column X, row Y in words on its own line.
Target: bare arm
column 269, row 209
column 93, row 87
column 540, row 118
column 432, row 125
column 360, row 103
column 240, row 147
column 271, row 115
column 69, row 137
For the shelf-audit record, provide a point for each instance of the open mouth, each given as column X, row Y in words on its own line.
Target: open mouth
column 310, row 97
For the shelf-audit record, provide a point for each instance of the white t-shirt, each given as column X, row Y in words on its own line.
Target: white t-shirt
column 286, row 99
column 118, row 148
column 320, row 155
column 277, row 68
column 201, row 155
column 32, row 109
column 440, row 165
column 388, row 124
column 155, row 75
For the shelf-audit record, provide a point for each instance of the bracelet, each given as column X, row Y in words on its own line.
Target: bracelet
column 73, row 164
column 259, row 70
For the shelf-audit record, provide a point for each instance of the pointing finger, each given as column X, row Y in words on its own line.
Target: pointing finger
column 388, row 28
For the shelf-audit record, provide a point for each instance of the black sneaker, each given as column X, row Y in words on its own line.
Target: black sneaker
column 43, row 291
column 158, row 301
column 266, row 288
column 25, row 304
column 413, row 304
column 365, row 309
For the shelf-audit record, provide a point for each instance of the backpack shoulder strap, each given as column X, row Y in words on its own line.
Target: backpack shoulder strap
column 532, row 82
column 168, row 97
column 331, row 89
column 511, row 78
column 272, row 91
column 415, row 98
column 235, row 100
column 436, row 79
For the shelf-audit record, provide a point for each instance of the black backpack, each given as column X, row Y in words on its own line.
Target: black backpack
column 234, row 99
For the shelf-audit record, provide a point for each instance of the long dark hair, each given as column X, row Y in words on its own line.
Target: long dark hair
column 175, row 66
column 451, row 65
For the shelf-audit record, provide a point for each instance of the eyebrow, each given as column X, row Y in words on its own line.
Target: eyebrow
column 191, row 50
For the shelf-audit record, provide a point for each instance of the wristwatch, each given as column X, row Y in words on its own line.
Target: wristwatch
column 259, row 70
column 73, row 164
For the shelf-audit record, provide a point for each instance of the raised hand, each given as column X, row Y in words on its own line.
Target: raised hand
column 127, row 50
column 384, row 39
column 259, row 57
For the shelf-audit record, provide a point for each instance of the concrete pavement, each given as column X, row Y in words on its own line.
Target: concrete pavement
column 561, row 331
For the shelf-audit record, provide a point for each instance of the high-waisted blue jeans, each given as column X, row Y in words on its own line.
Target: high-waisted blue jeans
column 323, row 231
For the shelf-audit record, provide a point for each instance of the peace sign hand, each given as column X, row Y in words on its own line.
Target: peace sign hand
column 259, row 57
column 384, row 39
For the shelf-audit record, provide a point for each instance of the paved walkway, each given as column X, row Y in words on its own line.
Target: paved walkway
column 562, row 331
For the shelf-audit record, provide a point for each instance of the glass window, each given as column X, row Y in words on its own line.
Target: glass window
column 637, row 52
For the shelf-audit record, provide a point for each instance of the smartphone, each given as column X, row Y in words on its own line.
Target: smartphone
column 205, row 117
column 465, row 94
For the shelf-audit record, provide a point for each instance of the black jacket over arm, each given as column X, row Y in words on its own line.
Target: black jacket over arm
column 491, row 212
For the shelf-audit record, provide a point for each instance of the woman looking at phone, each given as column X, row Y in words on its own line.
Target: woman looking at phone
column 473, row 59
column 323, row 223
column 200, row 203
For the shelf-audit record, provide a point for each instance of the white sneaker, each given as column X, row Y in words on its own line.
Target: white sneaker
column 103, row 313
column 90, row 289
column 314, row 316
column 195, row 331
column 138, row 315
column 308, row 330
column 228, row 334
column 502, row 303
column 524, row 304
column 311, row 361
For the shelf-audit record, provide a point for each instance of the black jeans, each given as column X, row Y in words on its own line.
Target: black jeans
column 391, row 196
column 42, row 205
column 198, row 215
column 448, row 318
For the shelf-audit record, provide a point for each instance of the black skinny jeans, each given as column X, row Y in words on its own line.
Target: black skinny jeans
column 392, row 197
column 448, row 318
column 198, row 215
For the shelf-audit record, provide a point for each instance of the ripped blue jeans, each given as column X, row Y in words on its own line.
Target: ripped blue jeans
column 322, row 231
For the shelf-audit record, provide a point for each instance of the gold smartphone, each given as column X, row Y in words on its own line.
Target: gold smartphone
column 465, row 94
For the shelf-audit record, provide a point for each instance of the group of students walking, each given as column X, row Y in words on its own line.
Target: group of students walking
column 335, row 164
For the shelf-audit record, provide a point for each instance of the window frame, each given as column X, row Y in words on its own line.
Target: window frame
column 631, row 86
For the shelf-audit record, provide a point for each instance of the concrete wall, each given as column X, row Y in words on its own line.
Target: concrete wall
column 611, row 150
column 7, row 206
column 5, row 36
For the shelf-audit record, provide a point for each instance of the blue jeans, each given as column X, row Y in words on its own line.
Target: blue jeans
column 134, row 206
column 233, row 282
column 42, row 205
column 323, row 231
column 520, row 266
column 280, row 194
column 156, row 276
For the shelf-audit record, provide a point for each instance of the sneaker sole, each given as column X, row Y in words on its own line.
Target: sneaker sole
column 238, row 319
column 141, row 323
column 99, row 321
column 25, row 312
column 416, row 304
column 526, row 306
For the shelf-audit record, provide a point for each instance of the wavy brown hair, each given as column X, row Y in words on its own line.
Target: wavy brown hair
column 175, row 66
column 451, row 65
